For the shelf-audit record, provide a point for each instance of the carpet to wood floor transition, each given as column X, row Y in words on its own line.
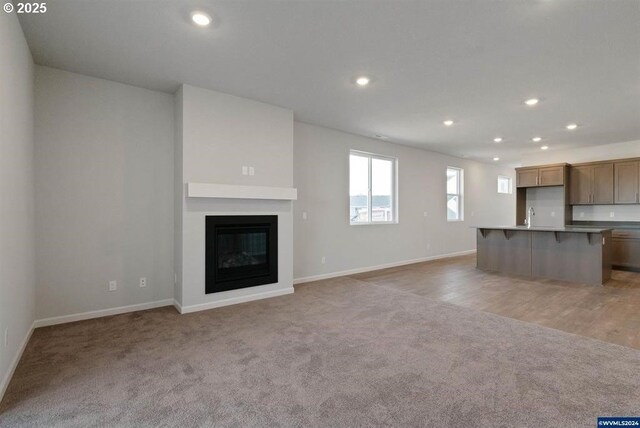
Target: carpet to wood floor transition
column 337, row 353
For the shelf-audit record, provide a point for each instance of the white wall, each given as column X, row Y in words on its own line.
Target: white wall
column 104, row 193
column 178, row 199
column 17, row 250
column 220, row 134
column 629, row 149
column 223, row 132
column 321, row 168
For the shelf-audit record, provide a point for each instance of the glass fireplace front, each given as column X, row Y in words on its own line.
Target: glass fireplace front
column 242, row 251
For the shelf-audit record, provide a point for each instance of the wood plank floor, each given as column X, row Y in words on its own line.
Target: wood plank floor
column 610, row 313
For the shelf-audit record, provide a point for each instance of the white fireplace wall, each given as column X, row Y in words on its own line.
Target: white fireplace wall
column 222, row 133
column 217, row 134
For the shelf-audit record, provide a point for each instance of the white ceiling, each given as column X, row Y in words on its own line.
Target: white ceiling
column 470, row 60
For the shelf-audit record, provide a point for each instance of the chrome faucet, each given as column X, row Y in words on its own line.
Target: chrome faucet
column 530, row 213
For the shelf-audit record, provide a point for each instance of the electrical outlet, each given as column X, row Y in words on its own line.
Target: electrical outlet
column 428, row 246
column 304, row 215
column 113, row 285
column 252, row 171
column 553, row 213
column 143, row 282
column 425, row 214
column 324, row 260
column 612, row 214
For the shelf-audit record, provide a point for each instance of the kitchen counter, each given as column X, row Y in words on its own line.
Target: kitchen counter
column 568, row 229
column 615, row 225
column 571, row 253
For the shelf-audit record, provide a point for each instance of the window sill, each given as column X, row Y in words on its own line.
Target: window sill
column 377, row 223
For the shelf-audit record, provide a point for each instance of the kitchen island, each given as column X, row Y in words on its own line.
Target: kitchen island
column 570, row 253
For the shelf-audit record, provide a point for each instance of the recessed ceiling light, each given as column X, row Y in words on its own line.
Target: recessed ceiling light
column 536, row 139
column 497, row 140
column 363, row 81
column 448, row 122
column 572, row 126
column 496, row 158
column 544, row 147
column 532, row 101
column 201, row 19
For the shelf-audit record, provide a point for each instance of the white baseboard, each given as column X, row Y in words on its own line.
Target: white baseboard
column 14, row 363
column 378, row 267
column 101, row 313
column 177, row 305
column 232, row 300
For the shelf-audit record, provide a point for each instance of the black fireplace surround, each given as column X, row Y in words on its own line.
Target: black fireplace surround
column 242, row 251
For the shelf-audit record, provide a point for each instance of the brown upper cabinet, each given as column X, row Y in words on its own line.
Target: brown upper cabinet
column 540, row 176
column 627, row 182
column 592, row 184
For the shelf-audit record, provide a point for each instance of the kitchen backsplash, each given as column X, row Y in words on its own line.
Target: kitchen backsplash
column 547, row 202
column 606, row 213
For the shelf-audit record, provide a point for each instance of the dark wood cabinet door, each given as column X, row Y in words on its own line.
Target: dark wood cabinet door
column 581, row 180
column 551, row 176
column 527, row 177
column 626, row 248
column 627, row 181
column 602, row 184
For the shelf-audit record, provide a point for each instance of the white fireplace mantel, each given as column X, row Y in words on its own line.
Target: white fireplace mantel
column 231, row 191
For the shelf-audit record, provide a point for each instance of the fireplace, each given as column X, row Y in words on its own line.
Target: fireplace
column 241, row 251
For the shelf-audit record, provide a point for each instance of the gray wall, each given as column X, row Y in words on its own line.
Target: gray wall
column 321, row 167
column 17, row 251
column 104, row 193
column 220, row 134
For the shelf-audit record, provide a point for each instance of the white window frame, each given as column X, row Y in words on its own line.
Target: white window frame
column 394, row 188
column 459, row 194
column 510, row 181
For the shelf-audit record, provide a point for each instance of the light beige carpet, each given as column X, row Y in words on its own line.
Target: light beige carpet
column 336, row 353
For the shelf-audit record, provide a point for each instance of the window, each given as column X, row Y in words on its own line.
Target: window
column 454, row 194
column 372, row 189
column 504, row 184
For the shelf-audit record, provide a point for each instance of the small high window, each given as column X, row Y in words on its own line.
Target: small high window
column 504, row 184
